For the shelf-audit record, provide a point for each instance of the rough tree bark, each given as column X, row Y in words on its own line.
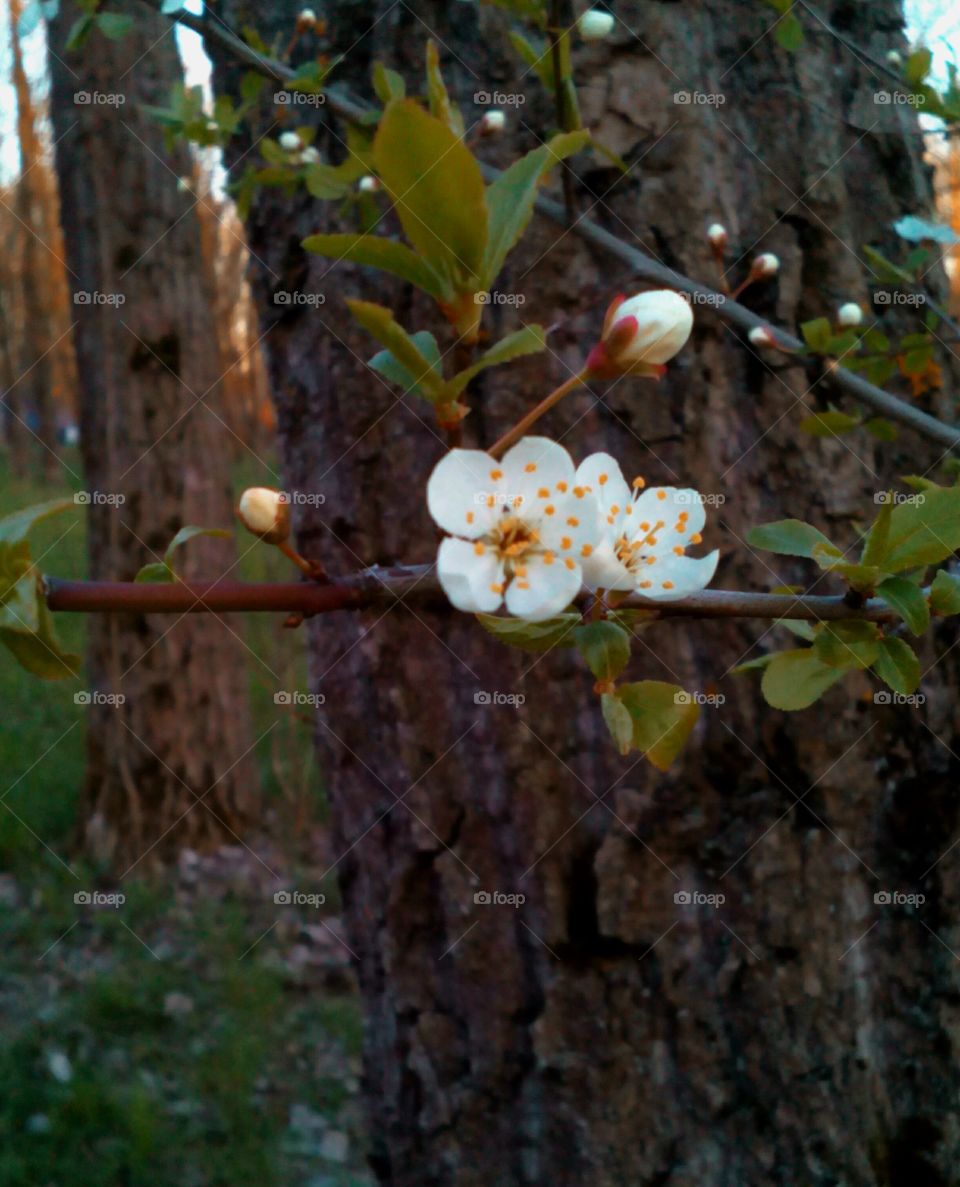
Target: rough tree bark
column 605, row 1033
column 152, row 438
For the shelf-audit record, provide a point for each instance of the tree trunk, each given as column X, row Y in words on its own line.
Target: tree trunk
column 605, row 1032
column 171, row 766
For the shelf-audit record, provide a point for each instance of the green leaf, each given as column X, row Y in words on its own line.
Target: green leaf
column 155, row 572
column 18, row 602
column 663, row 718
column 115, row 25
column 437, row 190
column 829, row 424
column 387, row 84
column 529, row 340
column 605, row 648
column 754, row 665
column 847, row 644
column 897, row 666
column 437, row 96
column 881, row 428
column 619, row 722
column 925, row 531
column 874, row 549
column 908, row 600
column 164, row 570
column 378, row 321
column 385, row 254
column 14, row 527
column 945, row 593
column 40, row 653
column 789, row 33
column 540, row 61
column 789, row 537
column 795, row 679
column 511, row 197
column 532, row 636
column 387, row 365
column 916, row 68
column 817, row 334
column 80, row 31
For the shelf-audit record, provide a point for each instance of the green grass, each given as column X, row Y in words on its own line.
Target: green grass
column 154, row 1098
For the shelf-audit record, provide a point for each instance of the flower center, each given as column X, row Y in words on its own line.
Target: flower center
column 513, row 539
column 634, row 553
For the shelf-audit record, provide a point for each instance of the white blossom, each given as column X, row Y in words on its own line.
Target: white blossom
column 520, row 529
column 850, row 314
column 290, row 141
column 595, row 24
column 645, row 535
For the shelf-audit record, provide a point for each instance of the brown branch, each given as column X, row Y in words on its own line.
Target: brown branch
column 644, row 267
column 379, row 586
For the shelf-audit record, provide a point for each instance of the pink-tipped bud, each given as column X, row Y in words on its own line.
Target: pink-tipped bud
column 493, row 123
column 640, row 334
column 369, row 184
column 765, row 265
column 761, row 336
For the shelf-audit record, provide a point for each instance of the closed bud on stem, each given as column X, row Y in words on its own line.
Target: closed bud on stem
column 290, row 141
column 850, row 315
column 493, row 123
column 307, row 19
column 265, row 513
column 595, row 25
column 894, row 59
column 765, row 265
column 640, row 334
column 310, row 156
column 368, row 184
column 717, row 234
column 761, row 336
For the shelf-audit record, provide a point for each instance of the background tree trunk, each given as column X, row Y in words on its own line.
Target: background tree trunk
column 152, row 438
column 604, row 1033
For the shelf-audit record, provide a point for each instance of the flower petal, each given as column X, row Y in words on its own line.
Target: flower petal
column 669, row 504
column 462, row 494
column 572, row 525
column 603, row 569
column 603, row 475
column 546, row 588
column 471, row 579
column 536, row 470
column 677, row 576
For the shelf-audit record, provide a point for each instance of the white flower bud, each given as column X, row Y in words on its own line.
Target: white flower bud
column 641, row 334
column 894, row 59
column 310, row 156
column 850, row 314
column 717, row 234
column 766, row 265
column 493, row 123
column 290, row 141
column 265, row 513
column 761, row 336
column 307, row 18
column 595, row 24
column 369, row 184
